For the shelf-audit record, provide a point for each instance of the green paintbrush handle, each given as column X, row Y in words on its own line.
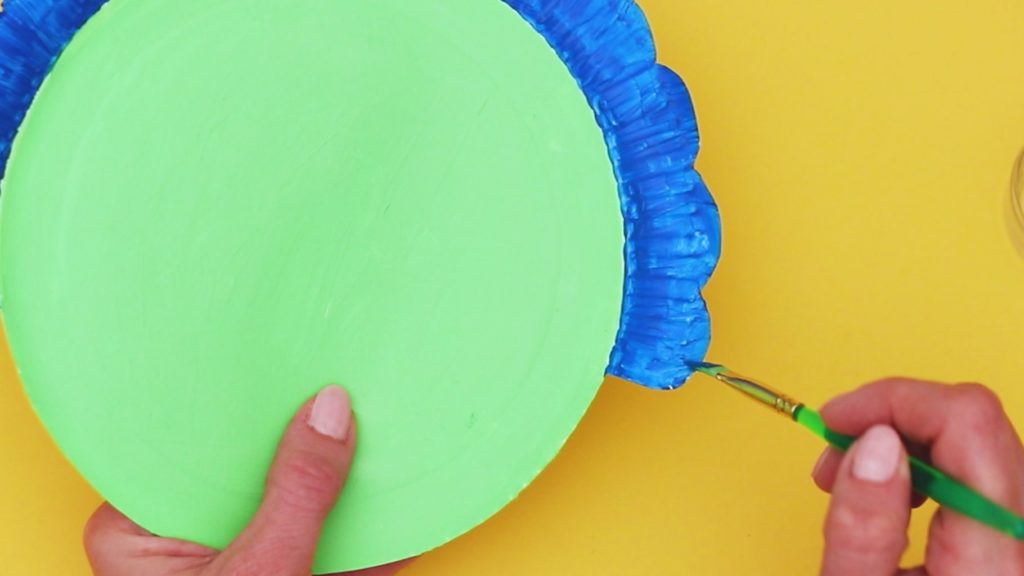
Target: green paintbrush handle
column 931, row 482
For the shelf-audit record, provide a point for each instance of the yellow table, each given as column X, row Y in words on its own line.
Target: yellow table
column 860, row 153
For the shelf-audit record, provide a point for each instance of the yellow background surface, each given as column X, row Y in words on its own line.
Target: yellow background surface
column 860, row 154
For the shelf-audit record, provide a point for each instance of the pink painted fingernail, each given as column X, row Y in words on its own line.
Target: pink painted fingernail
column 876, row 455
column 332, row 413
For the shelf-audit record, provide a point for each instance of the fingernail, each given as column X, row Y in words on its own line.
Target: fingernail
column 876, row 455
column 332, row 413
column 819, row 463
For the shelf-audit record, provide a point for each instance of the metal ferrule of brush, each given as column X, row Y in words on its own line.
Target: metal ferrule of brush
column 777, row 401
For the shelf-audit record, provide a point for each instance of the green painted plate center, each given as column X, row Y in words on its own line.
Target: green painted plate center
column 216, row 207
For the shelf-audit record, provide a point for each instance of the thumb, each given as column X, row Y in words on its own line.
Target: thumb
column 866, row 527
column 305, row 479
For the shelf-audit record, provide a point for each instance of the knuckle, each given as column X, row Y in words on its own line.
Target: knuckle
column 979, row 406
column 855, row 532
column 306, row 481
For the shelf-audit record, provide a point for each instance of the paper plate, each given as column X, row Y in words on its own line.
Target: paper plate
column 212, row 208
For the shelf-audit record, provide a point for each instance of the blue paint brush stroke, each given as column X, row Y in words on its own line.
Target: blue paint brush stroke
column 672, row 231
column 673, row 235
column 32, row 35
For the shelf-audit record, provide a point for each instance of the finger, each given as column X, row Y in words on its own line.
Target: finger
column 917, row 500
column 116, row 546
column 866, row 526
column 108, row 537
column 305, row 478
column 827, row 466
column 965, row 426
column 970, row 438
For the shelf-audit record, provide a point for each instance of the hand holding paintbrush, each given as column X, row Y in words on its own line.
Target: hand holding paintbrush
column 967, row 457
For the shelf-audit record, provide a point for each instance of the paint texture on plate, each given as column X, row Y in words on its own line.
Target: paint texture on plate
column 213, row 208
column 671, row 222
column 673, row 234
column 32, row 34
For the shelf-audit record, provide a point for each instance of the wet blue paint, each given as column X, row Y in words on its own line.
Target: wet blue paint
column 672, row 231
column 32, row 35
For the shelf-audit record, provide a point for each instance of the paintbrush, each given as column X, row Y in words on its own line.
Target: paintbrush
column 926, row 479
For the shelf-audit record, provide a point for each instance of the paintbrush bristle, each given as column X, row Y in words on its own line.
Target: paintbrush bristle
column 705, row 368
